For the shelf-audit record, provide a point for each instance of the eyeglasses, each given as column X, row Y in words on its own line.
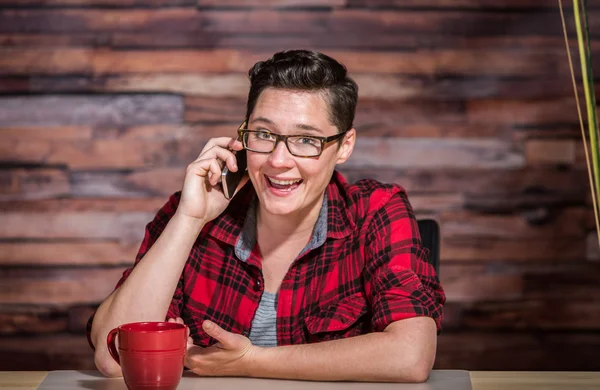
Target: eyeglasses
column 261, row 141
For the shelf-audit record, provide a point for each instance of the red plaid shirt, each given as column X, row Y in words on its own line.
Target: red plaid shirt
column 370, row 271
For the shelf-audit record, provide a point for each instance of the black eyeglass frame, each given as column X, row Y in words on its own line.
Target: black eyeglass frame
column 278, row 137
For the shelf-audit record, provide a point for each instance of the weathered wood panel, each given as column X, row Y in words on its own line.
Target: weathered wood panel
column 491, row 61
column 462, row 283
column 36, row 319
column 469, row 4
column 57, row 286
column 484, row 181
column 400, row 86
column 46, row 132
column 523, row 112
column 465, row 154
column 368, row 152
column 552, row 151
column 532, row 314
column 593, row 247
column 480, row 283
column 92, row 3
column 275, row 42
column 222, row 85
column 124, row 227
column 33, row 184
column 518, row 351
column 90, row 110
column 153, row 182
column 46, row 352
column 32, row 319
column 128, row 226
column 543, row 224
column 541, row 250
column 271, row 21
column 468, row 104
column 456, row 350
column 73, row 253
column 74, row 205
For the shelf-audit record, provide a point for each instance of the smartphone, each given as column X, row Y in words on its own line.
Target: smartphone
column 231, row 180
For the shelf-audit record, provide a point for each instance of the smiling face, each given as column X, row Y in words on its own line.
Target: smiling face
column 285, row 184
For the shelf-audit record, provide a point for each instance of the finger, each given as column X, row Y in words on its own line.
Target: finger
column 170, row 320
column 227, row 339
column 192, row 354
column 208, row 168
column 215, row 173
column 226, row 143
column 225, row 157
column 235, row 144
column 218, row 141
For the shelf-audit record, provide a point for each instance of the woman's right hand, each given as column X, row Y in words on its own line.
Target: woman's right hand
column 201, row 197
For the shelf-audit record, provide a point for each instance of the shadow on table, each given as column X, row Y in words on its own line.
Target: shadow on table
column 100, row 382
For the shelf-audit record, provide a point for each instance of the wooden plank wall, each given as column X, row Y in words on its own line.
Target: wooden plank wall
column 467, row 103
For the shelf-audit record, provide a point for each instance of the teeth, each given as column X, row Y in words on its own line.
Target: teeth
column 283, row 182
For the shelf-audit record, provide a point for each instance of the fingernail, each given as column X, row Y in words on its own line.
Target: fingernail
column 208, row 324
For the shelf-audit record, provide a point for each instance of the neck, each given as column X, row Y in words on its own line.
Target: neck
column 298, row 226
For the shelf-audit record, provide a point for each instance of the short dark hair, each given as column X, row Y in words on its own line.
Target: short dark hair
column 309, row 71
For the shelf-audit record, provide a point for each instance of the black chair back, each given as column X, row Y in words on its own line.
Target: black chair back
column 430, row 237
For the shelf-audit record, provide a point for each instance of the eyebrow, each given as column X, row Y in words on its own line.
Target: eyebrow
column 301, row 126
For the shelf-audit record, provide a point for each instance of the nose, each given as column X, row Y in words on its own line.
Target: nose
column 281, row 157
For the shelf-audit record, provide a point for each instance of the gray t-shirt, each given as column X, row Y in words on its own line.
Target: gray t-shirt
column 263, row 332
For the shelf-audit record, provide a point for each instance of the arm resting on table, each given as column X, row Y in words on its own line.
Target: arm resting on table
column 148, row 291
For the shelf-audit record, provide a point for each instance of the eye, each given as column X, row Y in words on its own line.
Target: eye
column 307, row 141
column 264, row 136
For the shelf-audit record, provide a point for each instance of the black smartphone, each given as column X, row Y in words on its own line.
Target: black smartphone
column 230, row 180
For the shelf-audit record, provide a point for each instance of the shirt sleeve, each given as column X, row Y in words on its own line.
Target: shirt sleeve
column 399, row 281
column 153, row 230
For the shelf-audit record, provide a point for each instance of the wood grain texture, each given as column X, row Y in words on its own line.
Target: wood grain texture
column 375, row 40
column 550, row 351
column 91, row 225
column 187, row 19
column 44, row 319
column 470, row 4
column 466, row 104
column 368, row 152
column 57, row 286
column 33, row 184
column 66, row 253
column 89, row 110
column 480, row 4
column 100, row 62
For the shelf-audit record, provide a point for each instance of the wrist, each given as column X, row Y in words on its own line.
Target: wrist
column 188, row 223
column 258, row 357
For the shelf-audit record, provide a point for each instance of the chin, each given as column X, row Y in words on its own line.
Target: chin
column 281, row 207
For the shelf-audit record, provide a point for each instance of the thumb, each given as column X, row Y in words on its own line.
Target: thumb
column 227, row 339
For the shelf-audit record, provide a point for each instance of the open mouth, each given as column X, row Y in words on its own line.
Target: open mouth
column 283, row 185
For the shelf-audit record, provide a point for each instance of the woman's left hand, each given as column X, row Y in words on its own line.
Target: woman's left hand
column 232, row 355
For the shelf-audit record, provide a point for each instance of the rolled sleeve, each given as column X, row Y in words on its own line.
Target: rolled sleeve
column 399, row 281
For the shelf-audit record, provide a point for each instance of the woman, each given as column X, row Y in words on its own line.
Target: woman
column 301, row 275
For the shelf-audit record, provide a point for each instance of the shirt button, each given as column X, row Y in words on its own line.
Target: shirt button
column 257, row 285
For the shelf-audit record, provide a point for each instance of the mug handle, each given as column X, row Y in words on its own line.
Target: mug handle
column 112, row 348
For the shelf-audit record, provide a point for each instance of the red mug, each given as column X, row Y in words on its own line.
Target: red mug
column 151, row 354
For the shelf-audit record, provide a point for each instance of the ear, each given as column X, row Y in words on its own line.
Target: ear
column 347, row 146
